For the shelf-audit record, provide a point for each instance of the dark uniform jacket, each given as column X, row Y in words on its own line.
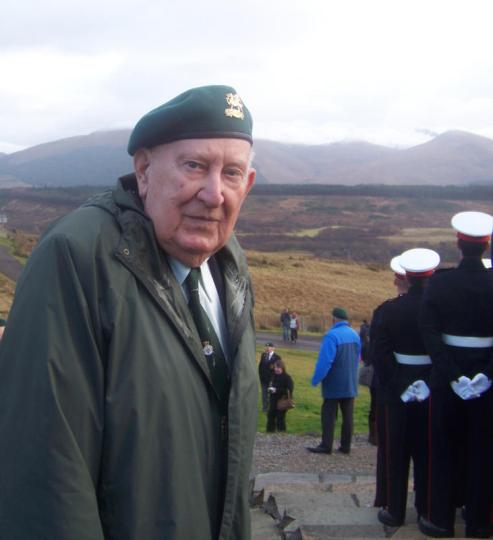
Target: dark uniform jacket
column 458, row 302
column 397, row 330
column 265, row 370
column 110, row 427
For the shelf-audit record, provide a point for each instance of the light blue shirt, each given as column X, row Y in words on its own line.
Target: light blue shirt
column 209, row 298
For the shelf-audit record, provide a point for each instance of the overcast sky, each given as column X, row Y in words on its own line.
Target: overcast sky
column 391, row 72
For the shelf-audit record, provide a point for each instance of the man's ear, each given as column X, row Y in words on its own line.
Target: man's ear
column 252, row 173
column 142, row 160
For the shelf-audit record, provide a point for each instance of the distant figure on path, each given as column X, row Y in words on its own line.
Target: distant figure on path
column 265, row 371
column 294, row 325
column 285, row 320
column 337, row 370
column 281, row 385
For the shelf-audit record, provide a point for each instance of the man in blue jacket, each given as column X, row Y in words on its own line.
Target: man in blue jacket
column 337, row 369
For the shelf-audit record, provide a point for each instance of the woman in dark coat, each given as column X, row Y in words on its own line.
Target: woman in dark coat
column 280, row 385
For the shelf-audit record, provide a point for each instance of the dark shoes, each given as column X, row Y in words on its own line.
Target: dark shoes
column 430, row 529
column 342, row 451
column 319, row 449
column 479, row 532
column 385, row 517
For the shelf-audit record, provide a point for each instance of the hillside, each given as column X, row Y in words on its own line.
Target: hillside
column 453, row 158
column 304, row 283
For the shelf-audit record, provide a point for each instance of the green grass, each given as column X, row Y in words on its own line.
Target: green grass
column 305, row 417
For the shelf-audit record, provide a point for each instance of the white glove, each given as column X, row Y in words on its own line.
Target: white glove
column 480, row 383
column 408, row 394
column 271, row 389
column 421, row 390
column 417, row 391
column 462, row 387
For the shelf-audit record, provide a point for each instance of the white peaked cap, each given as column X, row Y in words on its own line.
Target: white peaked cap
column 396, row 267
column 419, row 261
column 473, row 226
column 487, row 263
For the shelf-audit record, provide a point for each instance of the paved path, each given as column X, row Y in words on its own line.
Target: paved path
column 304, row 343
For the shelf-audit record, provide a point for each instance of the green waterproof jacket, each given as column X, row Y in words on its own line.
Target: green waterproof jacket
column 109, row 424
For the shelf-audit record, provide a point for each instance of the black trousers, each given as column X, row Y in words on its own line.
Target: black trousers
column 276, row 420
column 404, row 436
column 329, row 417
column 381, row 492
column 461, row 462
column 372, row 417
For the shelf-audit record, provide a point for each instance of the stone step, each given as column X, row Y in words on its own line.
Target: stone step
column 324, row 507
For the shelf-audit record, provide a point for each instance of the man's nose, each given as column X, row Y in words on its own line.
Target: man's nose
column 212, row 191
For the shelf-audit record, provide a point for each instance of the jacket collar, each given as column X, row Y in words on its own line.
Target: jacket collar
column 339, row 323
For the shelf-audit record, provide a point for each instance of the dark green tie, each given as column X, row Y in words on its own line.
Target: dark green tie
column 211, row 345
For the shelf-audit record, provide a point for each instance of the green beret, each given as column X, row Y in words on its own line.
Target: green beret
column 340, row 313
column 207, row 112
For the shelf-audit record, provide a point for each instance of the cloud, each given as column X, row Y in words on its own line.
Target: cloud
column 310, row 71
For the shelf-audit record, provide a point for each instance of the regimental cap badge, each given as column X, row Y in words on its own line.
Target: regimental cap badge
column 235, row 106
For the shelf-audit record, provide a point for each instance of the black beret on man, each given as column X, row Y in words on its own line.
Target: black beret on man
column 206, row 112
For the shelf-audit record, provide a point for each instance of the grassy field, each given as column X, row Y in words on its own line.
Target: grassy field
column 305, row 417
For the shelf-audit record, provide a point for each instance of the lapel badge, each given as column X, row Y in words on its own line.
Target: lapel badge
column 235, row 106
column 207, row 348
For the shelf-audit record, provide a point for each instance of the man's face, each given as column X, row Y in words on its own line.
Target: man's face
column 193, row 191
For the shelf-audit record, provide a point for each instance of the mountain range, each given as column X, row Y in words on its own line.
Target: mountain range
column 452, row 158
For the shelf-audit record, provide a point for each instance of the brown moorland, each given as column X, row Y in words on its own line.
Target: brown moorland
column 307, row 252
column 312, row 287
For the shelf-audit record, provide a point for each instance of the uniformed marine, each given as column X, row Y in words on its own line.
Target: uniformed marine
column 403, row 370
column 457, row 325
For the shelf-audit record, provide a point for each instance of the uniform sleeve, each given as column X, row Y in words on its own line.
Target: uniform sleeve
column 325, row 359
column 382, row 352
column 371, row 336
column 51, row 403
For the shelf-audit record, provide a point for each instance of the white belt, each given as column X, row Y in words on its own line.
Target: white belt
column 468, row 341
column 412, row 359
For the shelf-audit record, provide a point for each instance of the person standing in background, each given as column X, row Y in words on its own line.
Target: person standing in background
column 337, row 370
column 281, row 385
column 285, row 320
column 265, row 367
column 294, row 325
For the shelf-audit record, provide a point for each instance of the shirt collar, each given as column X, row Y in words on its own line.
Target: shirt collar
column 181, row 272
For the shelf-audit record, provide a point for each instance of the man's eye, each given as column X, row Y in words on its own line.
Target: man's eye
column 194, row 165
column 233, row 172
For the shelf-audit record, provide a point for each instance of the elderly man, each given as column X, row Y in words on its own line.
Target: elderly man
column 337, row 370
column 127, row 373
